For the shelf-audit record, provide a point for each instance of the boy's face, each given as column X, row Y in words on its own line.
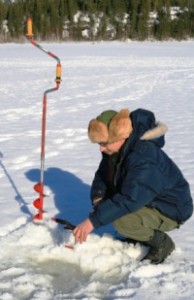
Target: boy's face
column 111, row 148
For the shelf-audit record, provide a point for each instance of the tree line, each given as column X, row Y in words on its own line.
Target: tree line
column 64, row 20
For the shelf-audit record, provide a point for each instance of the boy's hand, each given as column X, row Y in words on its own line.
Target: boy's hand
column 82, row 230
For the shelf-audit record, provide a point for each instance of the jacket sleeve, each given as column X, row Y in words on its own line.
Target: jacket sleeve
column 98, row 188
column 141, row 184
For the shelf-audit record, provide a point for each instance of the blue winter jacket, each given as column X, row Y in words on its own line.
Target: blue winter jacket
column 145, row 176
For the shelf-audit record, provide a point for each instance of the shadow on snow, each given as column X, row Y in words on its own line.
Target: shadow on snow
column 23, row 205
column 71, row 195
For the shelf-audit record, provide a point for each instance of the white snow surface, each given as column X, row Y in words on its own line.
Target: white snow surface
column 34, row 264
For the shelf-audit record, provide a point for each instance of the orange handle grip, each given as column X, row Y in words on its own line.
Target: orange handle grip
column 58, row 73
column 29, row 27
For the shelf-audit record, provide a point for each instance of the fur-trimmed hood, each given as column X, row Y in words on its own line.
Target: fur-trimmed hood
column 147, row 128
column 156, row 132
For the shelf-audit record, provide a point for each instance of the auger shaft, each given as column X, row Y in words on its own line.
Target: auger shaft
column 39, row 187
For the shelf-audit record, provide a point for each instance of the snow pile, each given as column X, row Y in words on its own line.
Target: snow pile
column 35, row 264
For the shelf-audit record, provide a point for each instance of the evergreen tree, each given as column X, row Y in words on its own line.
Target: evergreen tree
column 54, row 20
column 191, row 17
column 72, row 10
column 143, row 20
column 15, row 19
column 180, row 22
column 3, row 13
column 61, row 18
column 134, row 17
column 162, row 28
column 118, row 12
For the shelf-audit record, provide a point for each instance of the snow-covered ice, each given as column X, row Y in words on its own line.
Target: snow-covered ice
column 34, row 264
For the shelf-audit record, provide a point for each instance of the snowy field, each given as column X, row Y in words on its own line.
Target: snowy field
column 34, row 264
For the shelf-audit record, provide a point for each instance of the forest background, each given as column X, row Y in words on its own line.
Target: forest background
column 97, row 20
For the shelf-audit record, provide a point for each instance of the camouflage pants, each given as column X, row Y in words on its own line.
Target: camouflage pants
column 141, row 224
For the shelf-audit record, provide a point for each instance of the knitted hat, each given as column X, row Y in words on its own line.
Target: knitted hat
column 110, row 126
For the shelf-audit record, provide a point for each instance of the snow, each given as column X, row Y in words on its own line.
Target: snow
column 35, row 264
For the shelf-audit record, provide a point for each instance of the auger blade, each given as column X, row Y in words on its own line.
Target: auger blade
column 38, row 188
column 37, row 204
column 38, row 217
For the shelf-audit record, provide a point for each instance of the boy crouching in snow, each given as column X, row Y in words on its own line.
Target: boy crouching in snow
column 137, row 187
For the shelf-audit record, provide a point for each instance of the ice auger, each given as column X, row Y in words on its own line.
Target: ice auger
column 39, row 187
